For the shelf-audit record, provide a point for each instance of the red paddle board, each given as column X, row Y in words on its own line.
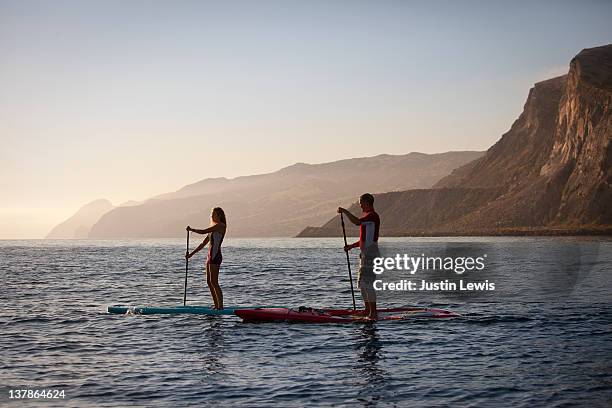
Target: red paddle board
column 310, row 315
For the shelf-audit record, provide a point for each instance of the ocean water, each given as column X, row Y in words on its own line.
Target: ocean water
column 543, row 337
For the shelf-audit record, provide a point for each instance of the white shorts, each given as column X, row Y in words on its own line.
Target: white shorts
column 366, row 277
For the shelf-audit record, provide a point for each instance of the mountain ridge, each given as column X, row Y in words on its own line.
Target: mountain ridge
column 278, row 203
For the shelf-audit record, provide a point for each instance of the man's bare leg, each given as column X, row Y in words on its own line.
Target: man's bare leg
column 370, row 307
column 366, row 305
column 372, row 312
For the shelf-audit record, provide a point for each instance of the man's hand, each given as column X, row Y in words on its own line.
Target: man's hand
column 188, row 255
column 341, row 210
column 188, row 228
column 347, row 248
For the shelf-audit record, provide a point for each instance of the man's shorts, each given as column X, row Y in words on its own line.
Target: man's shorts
column 366, row 277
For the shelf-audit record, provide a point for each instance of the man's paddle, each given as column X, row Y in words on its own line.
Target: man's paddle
column 348, row 261
column 186, row 269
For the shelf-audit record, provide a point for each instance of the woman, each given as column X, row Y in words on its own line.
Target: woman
column 215, row 234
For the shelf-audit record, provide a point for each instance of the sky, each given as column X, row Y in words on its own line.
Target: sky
column 125, row 100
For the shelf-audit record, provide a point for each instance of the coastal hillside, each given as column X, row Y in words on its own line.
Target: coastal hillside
column 278, row 203
column 551, row 173
column 79, row 225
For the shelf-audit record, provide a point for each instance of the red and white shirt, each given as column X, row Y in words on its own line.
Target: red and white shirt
column 369, row 226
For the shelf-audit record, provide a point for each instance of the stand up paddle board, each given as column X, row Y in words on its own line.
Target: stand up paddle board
column 310, row 315
column 151, row 310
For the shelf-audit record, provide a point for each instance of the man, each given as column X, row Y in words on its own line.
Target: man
column 369, row 226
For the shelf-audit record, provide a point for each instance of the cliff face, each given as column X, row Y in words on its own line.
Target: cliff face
column 554, row 163
column 552, row 169
column 512, row 161
column 581, row 159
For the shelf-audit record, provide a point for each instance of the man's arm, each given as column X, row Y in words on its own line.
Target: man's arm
column 350, row 216
column 351, row 246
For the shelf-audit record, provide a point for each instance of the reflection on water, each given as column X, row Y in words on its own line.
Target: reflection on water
column 212, row 355
column 368, row 368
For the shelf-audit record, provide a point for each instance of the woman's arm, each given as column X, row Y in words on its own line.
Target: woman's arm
column 217, row 227
column 198, row 249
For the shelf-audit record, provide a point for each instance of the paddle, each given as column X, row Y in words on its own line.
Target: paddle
column 348, row 261
column 186, row 270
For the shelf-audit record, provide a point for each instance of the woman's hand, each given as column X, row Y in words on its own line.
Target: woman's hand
column 188, row 255
column 188, row 228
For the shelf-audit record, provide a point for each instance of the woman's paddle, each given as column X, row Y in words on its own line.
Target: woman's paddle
column 186, row 269
column 348, row 261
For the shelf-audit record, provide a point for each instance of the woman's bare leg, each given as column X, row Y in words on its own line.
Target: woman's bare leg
column 211, row 288
column 214, row 281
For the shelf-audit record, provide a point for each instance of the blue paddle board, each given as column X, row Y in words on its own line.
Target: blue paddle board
column 151, row 310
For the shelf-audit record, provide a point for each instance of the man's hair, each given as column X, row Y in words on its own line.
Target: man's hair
column 367, row 198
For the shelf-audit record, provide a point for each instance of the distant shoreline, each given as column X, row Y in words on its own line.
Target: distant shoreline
column 317, row 232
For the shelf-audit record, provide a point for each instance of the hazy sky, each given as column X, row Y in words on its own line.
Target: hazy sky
column 127, row 99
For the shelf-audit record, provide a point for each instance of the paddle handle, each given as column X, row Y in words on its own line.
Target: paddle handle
column 348, row 261
column 186, row 271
